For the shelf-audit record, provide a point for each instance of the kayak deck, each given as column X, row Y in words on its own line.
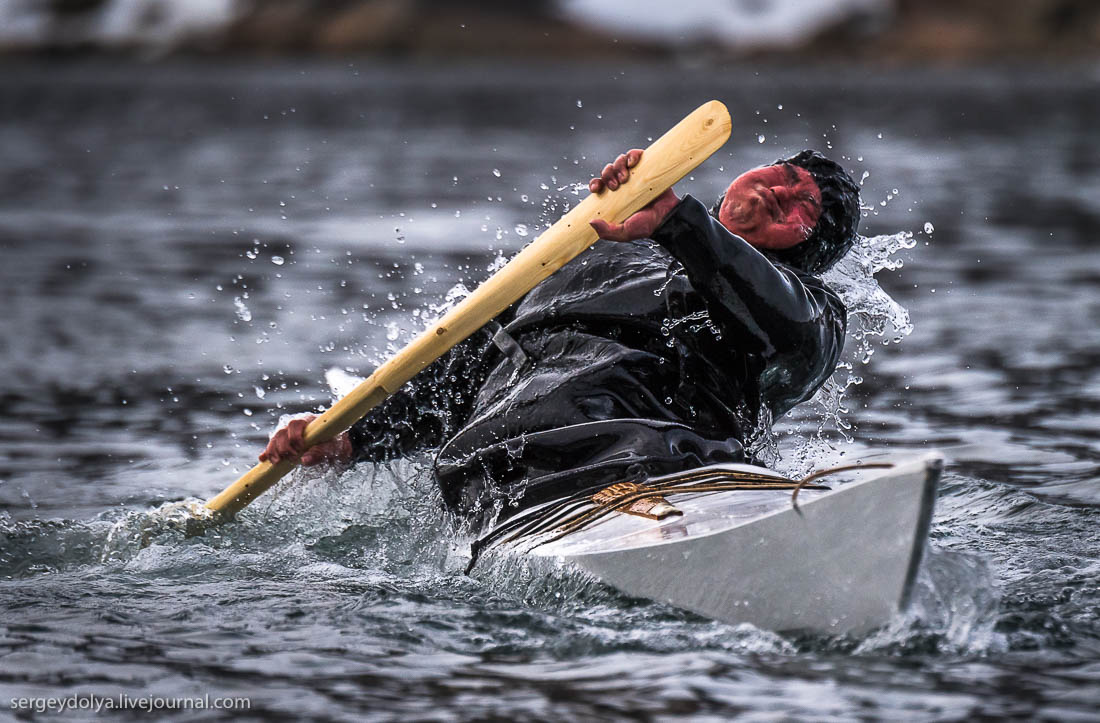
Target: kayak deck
column 843, row 561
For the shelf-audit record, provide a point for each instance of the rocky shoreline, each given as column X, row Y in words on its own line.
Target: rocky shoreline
column 891, row 31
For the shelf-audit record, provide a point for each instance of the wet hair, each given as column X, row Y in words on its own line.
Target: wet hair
column 835, row 230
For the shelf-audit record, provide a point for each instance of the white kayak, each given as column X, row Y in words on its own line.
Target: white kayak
column 843, row 561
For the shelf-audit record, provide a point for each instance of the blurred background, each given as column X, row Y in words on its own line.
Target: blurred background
column 880, row 31
column 211, row 211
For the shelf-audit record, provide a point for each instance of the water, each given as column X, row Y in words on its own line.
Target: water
column 152, row 336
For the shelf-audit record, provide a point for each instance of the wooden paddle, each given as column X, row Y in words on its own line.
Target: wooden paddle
column 670, row 158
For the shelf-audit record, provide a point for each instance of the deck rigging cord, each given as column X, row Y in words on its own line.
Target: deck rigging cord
column 583, row 508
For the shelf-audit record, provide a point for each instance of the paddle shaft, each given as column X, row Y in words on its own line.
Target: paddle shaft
column 666, row 161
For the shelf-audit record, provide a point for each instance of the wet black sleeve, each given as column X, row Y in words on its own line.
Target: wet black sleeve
column 429, row 408
column 792, row 320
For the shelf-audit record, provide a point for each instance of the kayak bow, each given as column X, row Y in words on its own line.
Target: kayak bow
column 842, row 561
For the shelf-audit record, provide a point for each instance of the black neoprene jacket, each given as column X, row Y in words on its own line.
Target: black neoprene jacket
column 635, row 358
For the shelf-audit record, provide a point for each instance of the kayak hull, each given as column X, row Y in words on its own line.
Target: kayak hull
column 843, row 561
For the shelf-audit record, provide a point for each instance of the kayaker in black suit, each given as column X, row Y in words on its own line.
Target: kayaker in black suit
column 663, row 354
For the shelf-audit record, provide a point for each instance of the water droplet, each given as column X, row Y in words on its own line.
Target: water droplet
column 929, row 228
column 496, row 172
column 243, row 312
column 227, row 369
column 247, row 412
column 760, row 138
column 278, row 260
column 260, row 393
column 579, row 104
column 521, row 229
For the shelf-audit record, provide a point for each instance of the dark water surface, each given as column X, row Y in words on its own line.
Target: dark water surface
column 187, row 248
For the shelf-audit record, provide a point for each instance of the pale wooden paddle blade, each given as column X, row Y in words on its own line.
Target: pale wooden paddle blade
column 666, row 161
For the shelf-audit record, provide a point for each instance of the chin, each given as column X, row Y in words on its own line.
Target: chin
column 732, row 224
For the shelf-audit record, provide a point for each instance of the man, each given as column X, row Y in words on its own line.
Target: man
column 666, row 353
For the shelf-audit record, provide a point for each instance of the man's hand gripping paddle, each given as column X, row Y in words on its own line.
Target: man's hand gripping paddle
column 670, row 158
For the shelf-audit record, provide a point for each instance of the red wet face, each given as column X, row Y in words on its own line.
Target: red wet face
column 772, row 207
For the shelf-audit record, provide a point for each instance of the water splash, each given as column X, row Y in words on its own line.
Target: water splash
column 871, row 311
column 341, row 382
column 170, row 521
column 873, row 315
column 954, row 610
column 436, row 311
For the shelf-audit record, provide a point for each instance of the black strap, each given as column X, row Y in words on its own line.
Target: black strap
column 508, row 345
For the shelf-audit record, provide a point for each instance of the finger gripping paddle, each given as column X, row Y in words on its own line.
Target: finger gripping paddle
column 666, row 161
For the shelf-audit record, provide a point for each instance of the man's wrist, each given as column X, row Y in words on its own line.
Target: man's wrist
column 663, row 228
